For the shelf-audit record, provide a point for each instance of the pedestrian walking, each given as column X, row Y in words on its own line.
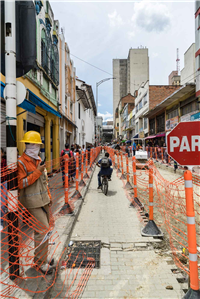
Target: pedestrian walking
column 3, row 188
column 134, row 148
column 127, row 150
column 35, row 196
column 175, row 166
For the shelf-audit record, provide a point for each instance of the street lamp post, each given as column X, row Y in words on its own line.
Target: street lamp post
column 97, row 85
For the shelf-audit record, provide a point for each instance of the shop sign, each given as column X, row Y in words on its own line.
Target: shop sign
column 171, row 123
column 195, row 116
column 141, row 134
column 187, row 117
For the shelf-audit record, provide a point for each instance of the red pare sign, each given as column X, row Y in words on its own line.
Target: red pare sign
column 183, row 143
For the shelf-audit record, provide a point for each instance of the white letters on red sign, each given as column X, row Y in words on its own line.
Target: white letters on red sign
column 184, row 144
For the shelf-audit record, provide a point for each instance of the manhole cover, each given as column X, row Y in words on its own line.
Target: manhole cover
column 81, row 252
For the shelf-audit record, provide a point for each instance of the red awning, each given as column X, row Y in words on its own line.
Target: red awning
column 151, row 137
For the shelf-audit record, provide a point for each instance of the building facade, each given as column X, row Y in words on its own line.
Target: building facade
column 188, row 72
column 85, row 114
column 67, row 94
column 197, row 47
column 39, row 112
column 129, row 74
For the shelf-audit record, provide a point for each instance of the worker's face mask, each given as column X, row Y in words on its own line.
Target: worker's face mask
column 32, row 150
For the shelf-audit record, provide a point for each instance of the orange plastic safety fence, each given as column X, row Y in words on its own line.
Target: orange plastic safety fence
column 169, row 204
column 21, row 229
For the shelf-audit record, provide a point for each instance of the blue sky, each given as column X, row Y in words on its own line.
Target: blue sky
column 98, row 32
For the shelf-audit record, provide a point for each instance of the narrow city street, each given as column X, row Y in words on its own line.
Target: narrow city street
column 129, row 266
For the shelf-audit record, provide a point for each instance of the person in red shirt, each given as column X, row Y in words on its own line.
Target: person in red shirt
column 3, row 187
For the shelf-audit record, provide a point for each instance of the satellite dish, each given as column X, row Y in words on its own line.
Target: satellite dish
column 21, row 92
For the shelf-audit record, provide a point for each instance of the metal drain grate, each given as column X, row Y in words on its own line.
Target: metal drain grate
column 80, row 251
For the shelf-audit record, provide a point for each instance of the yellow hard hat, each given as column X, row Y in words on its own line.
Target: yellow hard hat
column 32, row 137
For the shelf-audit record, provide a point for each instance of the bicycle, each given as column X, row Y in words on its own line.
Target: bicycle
column 104, row 185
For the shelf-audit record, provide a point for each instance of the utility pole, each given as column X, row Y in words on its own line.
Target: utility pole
column 11, row 122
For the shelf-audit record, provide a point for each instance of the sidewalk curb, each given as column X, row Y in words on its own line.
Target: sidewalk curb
column 65, row 237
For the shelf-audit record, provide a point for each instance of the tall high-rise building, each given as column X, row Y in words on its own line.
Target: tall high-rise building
column 129, row 74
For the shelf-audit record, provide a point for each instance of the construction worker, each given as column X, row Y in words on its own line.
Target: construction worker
column 35, row 196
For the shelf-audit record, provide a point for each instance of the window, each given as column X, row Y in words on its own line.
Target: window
column 145, row 122
column 145, row 99
column 117, row 124
column 136, row 108
column 71, row 107
column 140, row 105
column 79, row 111
column 189, row 108
column 136, row 128
column 172, row 113
column 152, row 126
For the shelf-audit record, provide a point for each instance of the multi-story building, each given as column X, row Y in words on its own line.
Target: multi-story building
column 85, row 114
column 128, row 99
column 129, row 74
column 148, row 97
column 99, row 129
column 174, row 78
column 188, row 72
column 131, row 125
column 42, row 84
column 107, row 134
column 67, row 94
column 181, row 105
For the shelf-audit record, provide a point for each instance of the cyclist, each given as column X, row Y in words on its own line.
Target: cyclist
column 105, row 164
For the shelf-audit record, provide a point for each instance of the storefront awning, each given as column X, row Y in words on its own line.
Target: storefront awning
column 26, row 105
column 38, row 102
column 160, row 135
column 151, row 137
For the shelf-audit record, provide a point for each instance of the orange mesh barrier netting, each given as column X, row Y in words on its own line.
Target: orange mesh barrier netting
column 169, row 206
column 20, row 275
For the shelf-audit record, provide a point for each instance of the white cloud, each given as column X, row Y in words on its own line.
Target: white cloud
column 152, row 17
column 115, row 19
column 99, row 105
column 106, row 116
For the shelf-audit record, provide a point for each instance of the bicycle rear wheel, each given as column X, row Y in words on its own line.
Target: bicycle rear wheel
column 105, row 186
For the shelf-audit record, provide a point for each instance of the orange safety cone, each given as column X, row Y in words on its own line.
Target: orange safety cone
column 162, row 154
column 151, row 229
column 67, row 207
column 194, row 291
column 82, row 183
column 128, row 185
column 77, row 193
column 122, row 166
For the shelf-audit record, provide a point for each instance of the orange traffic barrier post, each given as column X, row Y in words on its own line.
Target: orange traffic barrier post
column 122, row 167
column 91, row 152
column 136, row 200
column 82, row 183
column 69, row 209
column 118, row 166
column 151, row 152
column 128, row 185
column 86, row 165
column 194, row 291
column 162, row 154
column 156, row 155
column 151, row 229
column 77, row 193
column 168, row 159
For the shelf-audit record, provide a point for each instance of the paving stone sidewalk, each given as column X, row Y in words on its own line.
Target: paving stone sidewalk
column 130, row 268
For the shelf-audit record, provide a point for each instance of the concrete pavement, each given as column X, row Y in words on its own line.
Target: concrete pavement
column 129, row 266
